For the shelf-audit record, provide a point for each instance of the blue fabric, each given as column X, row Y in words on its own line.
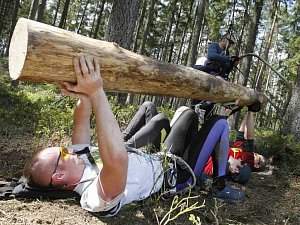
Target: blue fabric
column 219, row 132
column 215, row 53
column 214, row 131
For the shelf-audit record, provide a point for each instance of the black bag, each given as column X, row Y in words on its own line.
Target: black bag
column 19, row 188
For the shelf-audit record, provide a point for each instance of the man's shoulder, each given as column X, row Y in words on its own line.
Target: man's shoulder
column 214, row 45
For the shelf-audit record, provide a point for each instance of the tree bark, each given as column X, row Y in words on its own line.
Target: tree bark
column 292, row 118
column 33, row 9
column 4, row 6
column 41, row 11
column 13, row 22
column 43, row 53
column 265, row 55
column 64, row 14
column 149, row 21
column 170, row 26
column 122, row 22
column 251, row 38
column 195, row 39
column 139, row 26
column 95, row 35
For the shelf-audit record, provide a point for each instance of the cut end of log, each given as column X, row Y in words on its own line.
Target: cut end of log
column 18, row 49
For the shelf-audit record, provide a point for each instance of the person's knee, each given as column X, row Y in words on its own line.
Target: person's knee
column 161, row 119
column 148, row 104
column 191, row 114
column 178, row 113
column 150, row 107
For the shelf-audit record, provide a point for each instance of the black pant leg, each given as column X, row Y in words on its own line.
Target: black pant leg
column 183, row 130
column 145, row 113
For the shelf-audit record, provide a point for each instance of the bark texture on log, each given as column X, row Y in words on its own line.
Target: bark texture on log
column 43, row 53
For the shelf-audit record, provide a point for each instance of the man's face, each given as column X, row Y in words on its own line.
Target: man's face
column 225, row 43
column 64, row 164
column 235, row 164
column 258, row 160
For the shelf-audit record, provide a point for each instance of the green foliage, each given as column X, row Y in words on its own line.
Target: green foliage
column 38, row 109
column 166, row 109
column 284, row 149
column 123, row 114
column 215, row 18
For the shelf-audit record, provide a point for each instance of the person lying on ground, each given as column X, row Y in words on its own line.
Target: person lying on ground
column 117, row 176
column 241, row 157
column 240, row 162
column 121, row 177
column 185, row 140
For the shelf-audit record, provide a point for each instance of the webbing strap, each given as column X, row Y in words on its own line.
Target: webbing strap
column 87, row 152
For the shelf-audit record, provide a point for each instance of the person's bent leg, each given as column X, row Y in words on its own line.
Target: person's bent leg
column 205, row 142
column 151, row 133
column 145, row 113
column 177, row 114
column 201, row 147
column 183, row 130
column 249, row 133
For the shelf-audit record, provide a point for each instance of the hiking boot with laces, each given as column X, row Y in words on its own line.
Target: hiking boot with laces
column 230, row 194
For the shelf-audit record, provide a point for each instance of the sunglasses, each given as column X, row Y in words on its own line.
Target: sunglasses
column 63, row 152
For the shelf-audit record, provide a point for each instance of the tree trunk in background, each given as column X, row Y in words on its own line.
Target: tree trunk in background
column 33, row 9
column 122, row 22
column 140, row 25
column 174, row 35
column 265, row 55
column 250, row 43
column 2, row 14
column 292, row 118
column 56, row 11
column 99, row 20
column 41, row 11
column 64, row 14
column 184, row 32
column 171, row 22
column 94, row 18
column 130, row 97
column 13, row 22
column 235, row 77
column 196, row 34
column 149, row 21
column 193, row 21
column 82, row 16
column 121, row 27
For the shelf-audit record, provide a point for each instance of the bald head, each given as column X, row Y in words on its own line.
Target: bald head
column 40, row 168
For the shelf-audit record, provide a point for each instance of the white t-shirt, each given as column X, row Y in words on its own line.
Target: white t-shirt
column 144, row 177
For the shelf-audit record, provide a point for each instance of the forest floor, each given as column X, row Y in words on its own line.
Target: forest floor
column 272, row 197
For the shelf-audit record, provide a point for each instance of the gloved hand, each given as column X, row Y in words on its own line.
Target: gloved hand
column 255, row 107
column 234, row 59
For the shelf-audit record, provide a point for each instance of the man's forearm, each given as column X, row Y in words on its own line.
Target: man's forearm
column 109, row 134
column 81, row 122
column 113, row 175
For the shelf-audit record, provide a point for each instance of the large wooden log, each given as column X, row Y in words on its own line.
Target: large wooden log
column 43, row 53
